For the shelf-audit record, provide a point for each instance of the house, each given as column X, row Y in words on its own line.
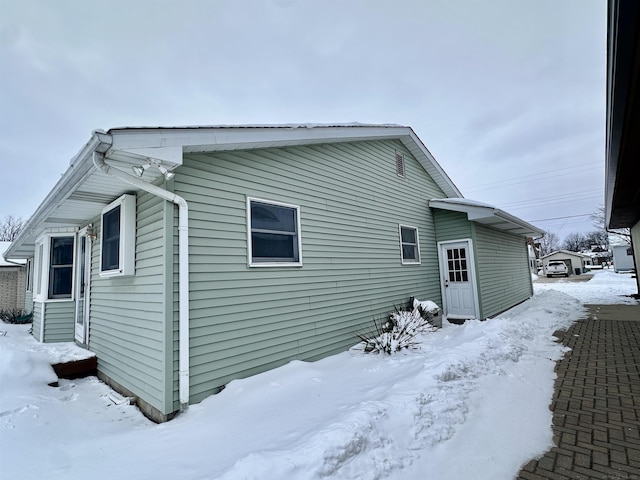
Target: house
column 12, row 281
column 622, row 258
column 188, row 257
column 622, row 169
column 600, row 255
column 534, row 262
column 577, row 263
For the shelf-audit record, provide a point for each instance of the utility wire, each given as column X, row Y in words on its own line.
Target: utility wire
column 561, row 218
column 519, row 180
column 572, row 167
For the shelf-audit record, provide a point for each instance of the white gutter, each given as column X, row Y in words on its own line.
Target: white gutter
column 183, row 262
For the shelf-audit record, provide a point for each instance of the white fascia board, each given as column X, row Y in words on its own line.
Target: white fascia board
column 482, row 214
column 169, row 143
column 199, row 139
column 80, row 168
column 171, row 157
column 429, row 163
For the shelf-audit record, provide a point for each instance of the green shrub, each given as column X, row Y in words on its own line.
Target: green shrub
column 15, row 315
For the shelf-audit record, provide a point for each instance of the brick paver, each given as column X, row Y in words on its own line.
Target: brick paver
column 596, row 403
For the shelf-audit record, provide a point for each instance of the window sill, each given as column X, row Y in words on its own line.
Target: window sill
column 275, row 264
column 54, row 300
column 116, row 274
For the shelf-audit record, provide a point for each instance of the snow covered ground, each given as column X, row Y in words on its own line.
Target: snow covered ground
column 471, row 403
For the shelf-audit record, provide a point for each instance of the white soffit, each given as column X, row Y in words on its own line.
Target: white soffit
column 487, row 215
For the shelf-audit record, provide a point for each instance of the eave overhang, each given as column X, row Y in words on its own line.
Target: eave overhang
column 622, row 172
column 83, row 191
column 488, row 216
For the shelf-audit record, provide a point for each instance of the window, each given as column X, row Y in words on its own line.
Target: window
column 111, row 239
column 117, row 239
column 457, row 264
column 60, row 267
column 39, row 259
column 274, row 233
column 29, row 287
column 52, row 270
column 409, row 244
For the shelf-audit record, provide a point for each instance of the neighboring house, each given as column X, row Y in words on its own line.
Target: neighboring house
column 12, row 281
column 622, row 169
column 577, row 263
column 188, row 257
column 600, row 256
column 534, row 261
column 623, row 258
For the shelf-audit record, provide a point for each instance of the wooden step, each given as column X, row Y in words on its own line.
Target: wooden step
column 76, row 368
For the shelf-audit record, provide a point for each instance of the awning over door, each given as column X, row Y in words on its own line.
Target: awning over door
column 487, row 215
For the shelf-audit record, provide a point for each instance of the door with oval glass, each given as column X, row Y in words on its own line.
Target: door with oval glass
column 458, row 279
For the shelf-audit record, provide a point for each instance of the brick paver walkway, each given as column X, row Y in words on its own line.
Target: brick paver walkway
column 596, row 403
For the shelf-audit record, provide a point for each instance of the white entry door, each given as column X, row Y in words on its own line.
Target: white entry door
column 458, row 280
column 82, row 279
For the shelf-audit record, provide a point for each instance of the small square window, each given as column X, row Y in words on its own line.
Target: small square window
column 274, row 233
column 117, row 237
column 410, row 245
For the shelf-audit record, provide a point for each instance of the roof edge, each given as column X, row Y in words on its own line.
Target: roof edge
column 477, row 211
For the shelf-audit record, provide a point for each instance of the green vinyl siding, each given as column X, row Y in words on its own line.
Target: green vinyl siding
column 127, row 317
column 503, row 274
column 28, row 302
column 37, row 320
column 59, row 321
column 246, row 320
column 452, row 225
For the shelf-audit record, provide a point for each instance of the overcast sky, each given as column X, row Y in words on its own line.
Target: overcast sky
column 508, row 95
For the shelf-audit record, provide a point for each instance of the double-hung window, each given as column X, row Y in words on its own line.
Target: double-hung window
column 409, row 245
column 273, row 233
column 117, row 239
column 53, row 268
column 60, row 267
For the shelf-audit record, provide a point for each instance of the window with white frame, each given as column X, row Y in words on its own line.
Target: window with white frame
column 53, row 268
column 273, row 233
column 409, row 245
column 60, row 267
column 117, row 237
column 38, row 259
column 29, row 286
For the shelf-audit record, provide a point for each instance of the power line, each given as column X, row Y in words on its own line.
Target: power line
column 561, row 218
column 547, row 201
column 542, row 175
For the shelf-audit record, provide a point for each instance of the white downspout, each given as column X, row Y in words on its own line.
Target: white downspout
column 183, row 262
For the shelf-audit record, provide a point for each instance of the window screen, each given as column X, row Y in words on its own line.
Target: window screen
column 61, row 267
column 111, row 239
column 409, row 241
column 274, row 233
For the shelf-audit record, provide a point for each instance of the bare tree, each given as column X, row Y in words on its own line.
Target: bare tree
column 598, row 217
column 10, row 227
column 598, row 238
column 548, row 243
column 575, row 242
